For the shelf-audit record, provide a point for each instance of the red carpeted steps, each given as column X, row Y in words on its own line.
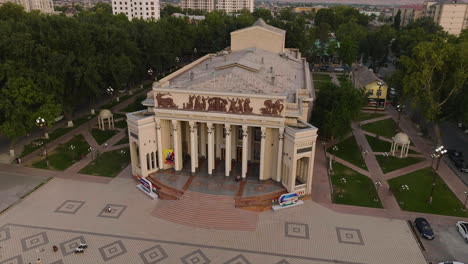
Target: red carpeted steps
column 208, row 211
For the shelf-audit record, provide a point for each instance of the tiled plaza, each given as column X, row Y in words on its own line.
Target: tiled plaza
column 65, row 213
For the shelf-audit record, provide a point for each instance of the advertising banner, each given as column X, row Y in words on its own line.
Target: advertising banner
column 168, row 156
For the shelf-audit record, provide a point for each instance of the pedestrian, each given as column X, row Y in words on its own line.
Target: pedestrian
column 109, row 209
column 39, row 261
column 105, row 145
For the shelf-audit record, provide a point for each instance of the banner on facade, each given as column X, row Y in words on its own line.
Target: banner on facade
column 288, row 200
column 168, row 156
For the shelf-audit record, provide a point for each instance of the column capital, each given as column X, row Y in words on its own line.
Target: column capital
column 227, row 128
column 263, row 130
column 245, row 131
column 158, row 123
column 192, row 125
column 281, row 133
column 209, row 127
column 174, row 124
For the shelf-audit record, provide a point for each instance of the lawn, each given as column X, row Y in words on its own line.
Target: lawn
column 349, row 150
column 135, row 105
column 121, row 124
column 416, row 198
column 122, row 141
column 319, row 85
column 390, row 163
column 108, row 164
column 118, row 115
column 366, row 116
column 358, row 189
column 321, row 77
column 386, row 128
column 102, row 136
column 378, row 145
column 63, row 156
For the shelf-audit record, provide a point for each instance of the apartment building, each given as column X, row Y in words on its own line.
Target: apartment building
column 44, row 6
column 144, row 9
column 229, row 6
column 452, row 16
column 409, row 13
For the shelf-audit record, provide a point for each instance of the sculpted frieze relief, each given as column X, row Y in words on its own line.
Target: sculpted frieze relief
column 219, row 104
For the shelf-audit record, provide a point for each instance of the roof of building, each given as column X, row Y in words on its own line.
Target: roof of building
column 247, row 71
column 364, row 76
column 261, row 23
column 414, row 6
column 105, row 113
column 401, row 138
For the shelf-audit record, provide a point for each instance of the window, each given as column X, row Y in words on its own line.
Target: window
column 370, row 92
column 152, row 8
column 152, row 13
column 151, row 3
column 146, row 8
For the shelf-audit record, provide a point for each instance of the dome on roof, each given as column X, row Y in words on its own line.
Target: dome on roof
column 105, row 113
column 401, row 138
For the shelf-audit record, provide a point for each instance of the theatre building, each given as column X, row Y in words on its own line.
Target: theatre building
column 241, row 112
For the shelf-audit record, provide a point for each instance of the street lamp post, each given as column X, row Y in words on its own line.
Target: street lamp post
column 72, row 148
column 41, row 123
column 194, row 53
column 379, row 92
column 90, row 150
column 176, row 61
column 400, row 108
column 378, row 184
column 438, row 153
column 466, row 198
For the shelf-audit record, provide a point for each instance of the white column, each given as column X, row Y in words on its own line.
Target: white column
column 211, row 132
column 228, row 149
column 203, row 139
column 175, row 137
column 192, row 146
column 310, row 170
column 218, row 139
column 159, row 142
column 262, row 153
column 279, row 163
column 244, row 150
column 196, row 146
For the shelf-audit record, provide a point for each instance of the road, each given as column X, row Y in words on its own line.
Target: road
column 454, row 138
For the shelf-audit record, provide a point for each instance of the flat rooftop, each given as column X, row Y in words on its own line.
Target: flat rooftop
column 248, row 71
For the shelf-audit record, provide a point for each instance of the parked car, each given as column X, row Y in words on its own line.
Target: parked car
column 462, row 228
column 324, row 68
column 460, row 164
column 424, row 228
column 450, row 262
column 454, row 153
column 339, row 69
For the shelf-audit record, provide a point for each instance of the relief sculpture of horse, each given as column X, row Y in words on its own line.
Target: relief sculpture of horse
column 272, row 108
column 165, row 102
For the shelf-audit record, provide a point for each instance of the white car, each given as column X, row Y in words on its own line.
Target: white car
column 450, row 262
column 462, row 228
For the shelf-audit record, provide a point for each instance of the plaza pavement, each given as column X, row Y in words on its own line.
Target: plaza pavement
column 65, row 212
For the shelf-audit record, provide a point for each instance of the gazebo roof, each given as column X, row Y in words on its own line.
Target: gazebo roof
column 401, row 138
column 105, row 113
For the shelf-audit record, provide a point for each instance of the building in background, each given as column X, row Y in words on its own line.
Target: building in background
column 44, row 6
column 451, row 15
column 242, row 112
column 144, row 9
column 229, row 6
column 192, row 18
column 301, row 9
column 376, row 89
column 409, row 13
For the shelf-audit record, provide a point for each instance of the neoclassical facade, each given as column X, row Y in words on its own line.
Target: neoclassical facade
column 244, row 110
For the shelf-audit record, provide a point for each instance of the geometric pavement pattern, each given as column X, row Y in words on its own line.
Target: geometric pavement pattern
column 4, row 234
column 296, row 230
column 153, row 255
column 239, row 259
column 69, row 207
column 112, row 250
column 68, row 247
column 34, row 241
column 349, row 236
column 125, row 249
column 13, row 260
column 115, row 212
column 196, row 257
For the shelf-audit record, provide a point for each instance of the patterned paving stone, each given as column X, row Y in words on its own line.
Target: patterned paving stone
column 153, row 255
column 34, row 241
column 4, row 234
column 196, row 257
column 116, row 211
column 296, row 230
column 283, row 262
column 239, row 259
column 112, row 250
column 14, row 260
column 349, row 236
column 57, row 262
column 68, row 247
column 70, row 207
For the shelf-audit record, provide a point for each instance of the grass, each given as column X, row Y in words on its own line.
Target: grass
column 321, row 77
column 415, row 199
column 390, row 163
column 116, row 116
column 102, row 136
column 63, row 156
column 121, row 123
column 358, row 189
column 318, row 85
column 135, row 105
column 378, row 145
column 386, row 128
column 349, row 150
column 122, row 141
column 366, row 116
column 108, row 164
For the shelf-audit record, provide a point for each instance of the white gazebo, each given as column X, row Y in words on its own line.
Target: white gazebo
column 400, row 139
column 103, row 115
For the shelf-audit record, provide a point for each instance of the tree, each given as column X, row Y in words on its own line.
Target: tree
column 397, row 20
column 348, row 51
column 378, row 44
column 436, row 72
column 335, row 108
column 263, row 13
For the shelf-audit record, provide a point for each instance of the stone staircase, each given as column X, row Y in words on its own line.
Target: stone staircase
column 165, row 192
column 258, row 203
column 208, row 211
